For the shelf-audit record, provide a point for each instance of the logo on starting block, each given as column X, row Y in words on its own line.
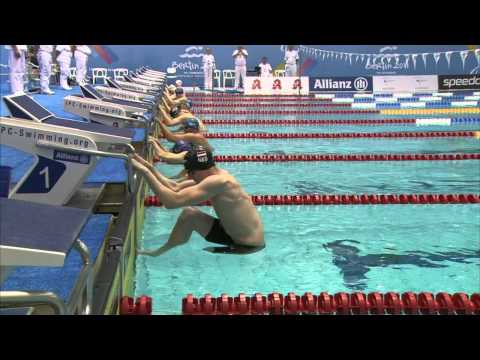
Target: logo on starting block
column 76, row 158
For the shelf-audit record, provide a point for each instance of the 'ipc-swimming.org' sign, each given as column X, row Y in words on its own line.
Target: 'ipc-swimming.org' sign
column 334, row 84
column 288, row 85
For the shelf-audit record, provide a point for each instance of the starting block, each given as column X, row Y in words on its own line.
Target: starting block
column 127, row 85
column 66, row 151
column 131, row 106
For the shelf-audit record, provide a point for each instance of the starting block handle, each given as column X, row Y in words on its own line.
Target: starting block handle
column 125, row 157
column 128, row 120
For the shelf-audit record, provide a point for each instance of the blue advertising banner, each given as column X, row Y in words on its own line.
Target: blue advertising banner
column 315, row 60
column 344, row 83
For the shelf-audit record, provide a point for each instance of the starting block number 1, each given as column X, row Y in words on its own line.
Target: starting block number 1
column 43, row 176
column 47, row 179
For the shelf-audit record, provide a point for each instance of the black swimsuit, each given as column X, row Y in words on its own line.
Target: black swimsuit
column 218, row 235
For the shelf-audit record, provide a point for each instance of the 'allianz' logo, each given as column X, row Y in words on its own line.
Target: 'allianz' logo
column 359, row 84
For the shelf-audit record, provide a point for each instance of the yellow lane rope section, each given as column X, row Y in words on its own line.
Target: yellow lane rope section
column 466, row 110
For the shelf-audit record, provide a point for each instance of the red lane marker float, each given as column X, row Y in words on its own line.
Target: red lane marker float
column 142, row 306
column 349, row 199
column 403, row 134
column 283, row 112
column 310, row 122
column 342, row 157
column 423, row 303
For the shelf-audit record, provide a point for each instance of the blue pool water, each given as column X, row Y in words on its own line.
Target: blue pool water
column 331, row 248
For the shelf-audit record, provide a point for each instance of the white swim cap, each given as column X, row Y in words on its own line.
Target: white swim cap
column 178, row 83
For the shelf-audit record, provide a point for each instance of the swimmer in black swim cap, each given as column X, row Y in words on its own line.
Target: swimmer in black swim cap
column 238, row 229
column 175, row 112
column 172, row 100
column 198, row 158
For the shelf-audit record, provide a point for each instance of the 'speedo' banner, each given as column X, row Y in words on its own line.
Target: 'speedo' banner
column 288, row 85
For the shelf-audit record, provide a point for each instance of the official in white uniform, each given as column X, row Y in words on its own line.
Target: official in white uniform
column 240, row 58
column 291, row 61
column 64, row 59
column 16, row 64
column 44, row 57
column 265, row 68
column 81, row 57
column 208, row 61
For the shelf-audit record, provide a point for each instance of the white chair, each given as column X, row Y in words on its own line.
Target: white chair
column 217, row 74
column 99, row 73
column 171, row 73
column 279, row 73
column 228, row 75
column 119, row 73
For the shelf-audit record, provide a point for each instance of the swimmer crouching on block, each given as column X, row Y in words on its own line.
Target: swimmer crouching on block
column 238, row 226
column 172, row 100
column 178, row 115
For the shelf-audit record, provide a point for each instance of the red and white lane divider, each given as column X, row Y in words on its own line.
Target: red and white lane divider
column 342, row 303
column 317, row 122
column 349, row 199
column 343, row 157
column 402, row 134
column 273, row 105
column 346, row 157
column 283, row 112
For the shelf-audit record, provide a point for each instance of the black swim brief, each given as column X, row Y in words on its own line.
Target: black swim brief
column 218, row 235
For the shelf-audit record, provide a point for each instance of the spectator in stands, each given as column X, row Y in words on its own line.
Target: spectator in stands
column 16, row 64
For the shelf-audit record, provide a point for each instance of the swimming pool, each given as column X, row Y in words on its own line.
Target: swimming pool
column 331, row 248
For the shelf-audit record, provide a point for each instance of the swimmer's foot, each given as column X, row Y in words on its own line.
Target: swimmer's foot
column 237, row 250
column 147, row 252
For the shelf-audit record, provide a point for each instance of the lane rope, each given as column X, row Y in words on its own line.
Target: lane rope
column 341, row 303
column 348, row 199
column 373, row 135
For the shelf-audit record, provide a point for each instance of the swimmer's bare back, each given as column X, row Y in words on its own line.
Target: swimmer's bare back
column 237, row 214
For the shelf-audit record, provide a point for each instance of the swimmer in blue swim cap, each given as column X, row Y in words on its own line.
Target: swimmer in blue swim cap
column 238, row 228
column 181, row 146
column 191, row 133
column 176, row 115
column 176, row 155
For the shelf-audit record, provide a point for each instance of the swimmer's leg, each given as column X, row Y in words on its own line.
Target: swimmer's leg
column 191, row 219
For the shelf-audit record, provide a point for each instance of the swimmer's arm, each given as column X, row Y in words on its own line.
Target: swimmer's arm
column 191, row 195
column 166, row 119
column 187, row 137
column 173, row 158
column 168, row 99
column 146, row 169
column 165, row 154
column 165, row 104
column 172, row 122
